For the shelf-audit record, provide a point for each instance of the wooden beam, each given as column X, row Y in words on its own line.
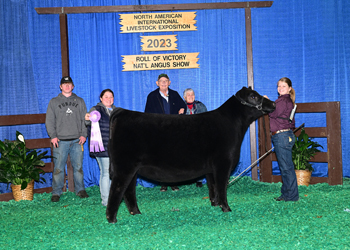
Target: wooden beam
column 9, row 120
column 249, row 47
column 312, row 107
column 38, row 143
column 249, row 52
column 314, row 179
column 64, row 45
column 157, row 7
column 319, row 157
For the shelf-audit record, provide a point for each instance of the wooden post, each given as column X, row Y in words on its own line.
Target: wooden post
column 335, row 170
column 250, row 75
column 64, row 45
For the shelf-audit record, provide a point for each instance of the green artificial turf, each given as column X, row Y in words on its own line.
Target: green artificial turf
column 184, row 220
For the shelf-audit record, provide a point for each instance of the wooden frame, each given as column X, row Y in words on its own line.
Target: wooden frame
column 10, row 120
column 332, row 132
column 63, row 11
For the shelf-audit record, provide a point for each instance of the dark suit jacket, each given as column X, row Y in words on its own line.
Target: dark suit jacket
column 154, row 102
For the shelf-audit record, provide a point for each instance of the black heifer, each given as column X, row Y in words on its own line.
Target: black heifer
column 177, row 148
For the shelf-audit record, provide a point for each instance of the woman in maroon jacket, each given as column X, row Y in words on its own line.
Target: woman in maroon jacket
column 283, row 139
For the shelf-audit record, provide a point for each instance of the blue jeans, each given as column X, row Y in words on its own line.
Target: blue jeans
column 105, row 183
column 283, row 143
column 73, row 148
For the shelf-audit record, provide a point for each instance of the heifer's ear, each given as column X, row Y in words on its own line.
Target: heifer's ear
column 250, row 87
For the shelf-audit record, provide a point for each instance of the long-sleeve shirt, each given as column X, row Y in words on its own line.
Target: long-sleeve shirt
column 65, row 117
column 284, row 106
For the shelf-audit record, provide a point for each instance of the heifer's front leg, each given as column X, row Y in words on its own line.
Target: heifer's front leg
column 130, row 197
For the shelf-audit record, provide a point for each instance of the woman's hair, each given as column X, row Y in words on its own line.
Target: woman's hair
column 188, row 90
column 289, row 82
column 104, row 91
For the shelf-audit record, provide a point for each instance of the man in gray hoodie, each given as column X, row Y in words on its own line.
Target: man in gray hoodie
column 65, row 124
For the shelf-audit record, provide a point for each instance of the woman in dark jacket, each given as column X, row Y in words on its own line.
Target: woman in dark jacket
column 105, row 107
column 194, row 107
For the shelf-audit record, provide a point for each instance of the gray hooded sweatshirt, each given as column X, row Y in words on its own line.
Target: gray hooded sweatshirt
column 65, row 117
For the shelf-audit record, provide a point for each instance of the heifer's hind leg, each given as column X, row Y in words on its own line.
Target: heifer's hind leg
column 130, row 197
column 115, row 197
column 212, row 192
column 120, row 182
column 221, row 179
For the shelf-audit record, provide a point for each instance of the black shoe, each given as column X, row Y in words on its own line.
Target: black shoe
column 55, row 198
column 175, row 188
column 279, row 198
column 199, row 184
column 163, row 189
column 82, row 194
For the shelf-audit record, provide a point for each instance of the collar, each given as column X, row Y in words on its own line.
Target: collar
column 166, row 97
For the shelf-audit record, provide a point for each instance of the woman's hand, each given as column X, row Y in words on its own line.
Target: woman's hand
column 87, row 117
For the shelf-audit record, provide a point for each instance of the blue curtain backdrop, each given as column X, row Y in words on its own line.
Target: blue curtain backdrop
column 307, row 41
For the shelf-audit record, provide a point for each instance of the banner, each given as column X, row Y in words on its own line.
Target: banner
column 160, row 61
column 158, row 43
column 156, row 22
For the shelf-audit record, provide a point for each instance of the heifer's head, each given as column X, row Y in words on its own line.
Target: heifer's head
column 251, row 98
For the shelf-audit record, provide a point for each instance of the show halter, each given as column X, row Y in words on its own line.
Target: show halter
column 258, row 106
column 96, row 144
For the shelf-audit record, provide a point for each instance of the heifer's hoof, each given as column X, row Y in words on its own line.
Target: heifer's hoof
column 135, row 212
column 214, row 203
column 226, row 209
column 113, row 221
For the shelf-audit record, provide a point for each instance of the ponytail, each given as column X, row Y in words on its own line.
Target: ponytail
column 292, row 95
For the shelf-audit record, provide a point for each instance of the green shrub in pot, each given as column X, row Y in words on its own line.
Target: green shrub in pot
column 303, row 150
column 20, row 165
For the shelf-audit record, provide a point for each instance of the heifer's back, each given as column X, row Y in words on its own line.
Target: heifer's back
column 177, row 148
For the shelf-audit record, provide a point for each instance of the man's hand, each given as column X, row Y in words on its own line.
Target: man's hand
column 82, row 140
column 54, row 142
column 181, row 111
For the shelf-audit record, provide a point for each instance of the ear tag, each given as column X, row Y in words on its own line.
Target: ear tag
column 290, row 139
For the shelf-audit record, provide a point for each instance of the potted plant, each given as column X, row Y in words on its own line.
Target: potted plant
column 303, row 150
column 20, row 166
